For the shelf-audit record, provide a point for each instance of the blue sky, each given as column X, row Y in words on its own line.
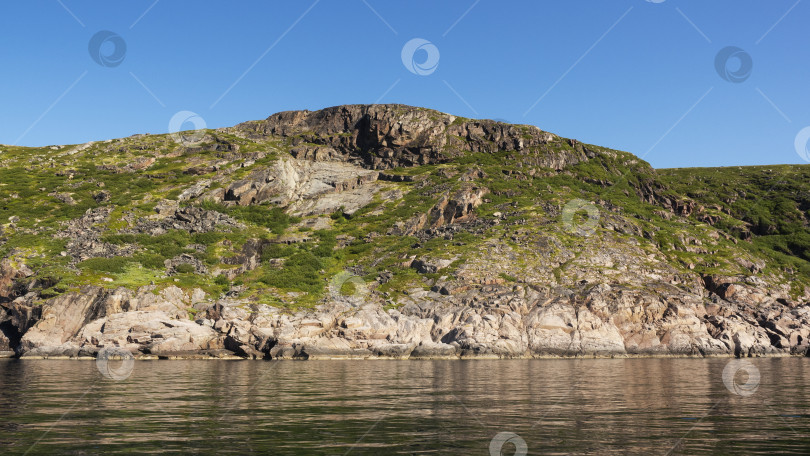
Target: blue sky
column 634, row 75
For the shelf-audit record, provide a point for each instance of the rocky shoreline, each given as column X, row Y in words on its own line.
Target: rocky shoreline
column 515, row 322
column 229, row 356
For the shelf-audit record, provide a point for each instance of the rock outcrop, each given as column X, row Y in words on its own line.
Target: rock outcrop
column 495, row 321
column 190, row 219
column 304, row 187
column 391, row 136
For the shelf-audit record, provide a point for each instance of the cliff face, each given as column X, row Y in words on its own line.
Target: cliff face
column 394, row 231
column 391, row 136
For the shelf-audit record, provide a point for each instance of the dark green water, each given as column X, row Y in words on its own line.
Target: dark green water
column 599, row 407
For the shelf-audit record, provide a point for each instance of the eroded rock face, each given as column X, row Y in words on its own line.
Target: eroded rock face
column 390, row 136
column 10, row 271
column 150, row 332
column 306, row 188
column 58, row 321
column 492, row 321
column 457, row 207
column 62, row 319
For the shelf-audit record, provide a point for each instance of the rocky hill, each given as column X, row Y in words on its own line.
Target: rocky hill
column 394, row 231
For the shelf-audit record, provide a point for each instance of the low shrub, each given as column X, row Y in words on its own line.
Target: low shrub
column 271, row 251
column 115, row 265
column 300, row 272
column 185, row 268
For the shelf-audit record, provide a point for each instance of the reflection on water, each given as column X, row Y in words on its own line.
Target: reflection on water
column 622, row 406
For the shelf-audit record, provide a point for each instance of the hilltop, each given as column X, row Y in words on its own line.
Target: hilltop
column 395, row 231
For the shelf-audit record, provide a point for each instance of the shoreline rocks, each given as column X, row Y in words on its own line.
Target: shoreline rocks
column 515, row 322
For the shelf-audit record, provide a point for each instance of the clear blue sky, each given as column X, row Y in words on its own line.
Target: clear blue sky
column 634, row 75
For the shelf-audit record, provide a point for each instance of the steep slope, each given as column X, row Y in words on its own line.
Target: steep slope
column 395, row 231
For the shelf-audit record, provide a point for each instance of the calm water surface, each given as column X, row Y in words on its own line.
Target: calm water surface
column 599, row 407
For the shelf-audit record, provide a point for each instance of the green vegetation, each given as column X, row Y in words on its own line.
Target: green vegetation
column 185, row 268
column 272, row 218
column 770, row 205
column 115, row 265
column 300, row 272
column 735, row 215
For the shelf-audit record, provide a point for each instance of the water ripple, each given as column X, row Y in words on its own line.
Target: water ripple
column 604, row 407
